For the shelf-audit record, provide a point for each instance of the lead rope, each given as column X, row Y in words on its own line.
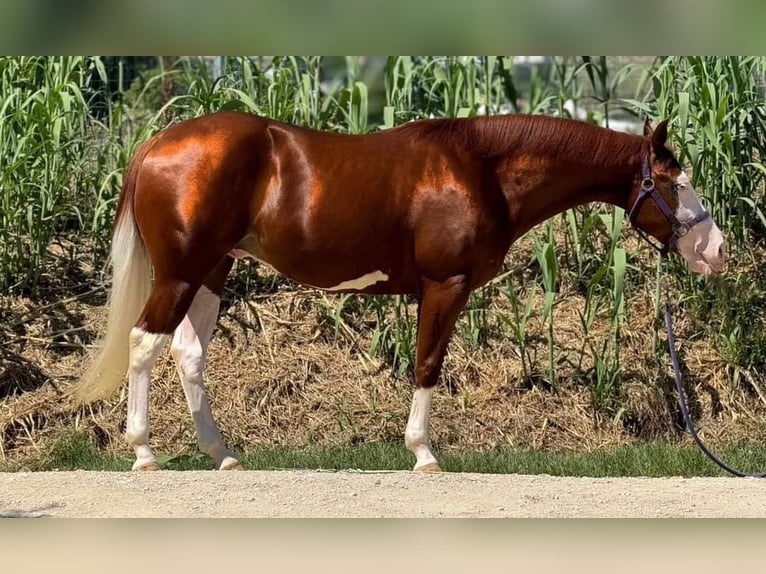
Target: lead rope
column 682, row 395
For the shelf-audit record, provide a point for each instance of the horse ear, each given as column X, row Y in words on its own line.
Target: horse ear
column 648, row 131
column 660, row 135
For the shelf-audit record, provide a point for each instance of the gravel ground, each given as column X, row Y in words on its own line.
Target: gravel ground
column 370, row 494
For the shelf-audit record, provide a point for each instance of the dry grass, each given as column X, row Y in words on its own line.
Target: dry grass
column 277, row 376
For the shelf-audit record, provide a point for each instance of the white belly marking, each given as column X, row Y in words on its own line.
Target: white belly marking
column 360, row 282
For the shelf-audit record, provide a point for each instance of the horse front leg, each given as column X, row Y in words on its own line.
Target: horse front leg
column 440, row 306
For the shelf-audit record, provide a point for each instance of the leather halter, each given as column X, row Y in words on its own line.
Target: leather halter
column 680, row 228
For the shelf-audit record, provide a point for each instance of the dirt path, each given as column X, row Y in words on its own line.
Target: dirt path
column 385, row 494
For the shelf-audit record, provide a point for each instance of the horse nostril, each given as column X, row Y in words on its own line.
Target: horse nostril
column 722, row 253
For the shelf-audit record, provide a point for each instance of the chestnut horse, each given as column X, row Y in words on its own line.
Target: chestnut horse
column 429, row 208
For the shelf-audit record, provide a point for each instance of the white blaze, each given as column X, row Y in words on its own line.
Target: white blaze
column 703, row 248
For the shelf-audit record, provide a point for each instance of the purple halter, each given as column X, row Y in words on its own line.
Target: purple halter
column 680, row 228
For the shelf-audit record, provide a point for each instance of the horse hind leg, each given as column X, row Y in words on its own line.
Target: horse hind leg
column 145, row 347
column 167, row 304
column 189, row 349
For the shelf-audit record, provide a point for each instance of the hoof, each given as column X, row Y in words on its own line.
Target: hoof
column 430, row 467
column 147, row 467
column 230, row 463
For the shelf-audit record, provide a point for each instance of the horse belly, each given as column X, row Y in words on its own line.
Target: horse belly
column 322, row 271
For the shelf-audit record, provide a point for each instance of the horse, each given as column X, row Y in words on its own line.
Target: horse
column 428, row 208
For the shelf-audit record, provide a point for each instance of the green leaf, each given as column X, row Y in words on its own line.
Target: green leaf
column 388, row 117
column 618, row 267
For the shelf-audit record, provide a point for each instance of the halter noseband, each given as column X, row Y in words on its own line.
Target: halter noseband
column 680, row 228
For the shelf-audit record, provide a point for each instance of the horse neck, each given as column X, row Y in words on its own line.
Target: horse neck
column 570, row 166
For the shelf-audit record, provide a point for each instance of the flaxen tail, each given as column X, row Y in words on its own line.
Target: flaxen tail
column 131, row 284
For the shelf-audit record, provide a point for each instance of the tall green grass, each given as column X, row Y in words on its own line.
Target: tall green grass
column 47, row 154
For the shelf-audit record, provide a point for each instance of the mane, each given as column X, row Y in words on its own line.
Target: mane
column 495, row 136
